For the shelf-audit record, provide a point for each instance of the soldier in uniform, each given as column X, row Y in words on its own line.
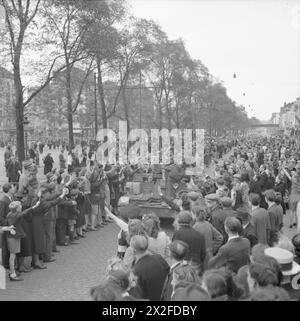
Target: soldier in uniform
column 216, row 213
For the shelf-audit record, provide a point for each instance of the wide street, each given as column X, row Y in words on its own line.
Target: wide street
column 77, row 268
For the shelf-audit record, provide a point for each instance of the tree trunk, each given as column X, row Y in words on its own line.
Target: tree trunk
column 168, row 111
column 126, row 109
column 19, row 111
column 177, row 114
column 69, row 108
column 101, row 95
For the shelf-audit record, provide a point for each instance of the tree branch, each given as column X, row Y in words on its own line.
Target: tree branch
column 15, row 8
column 26, row 10
column 118, row 93
column 9, row 24
column 34, row 12
column 82, row 85
column 48, row 79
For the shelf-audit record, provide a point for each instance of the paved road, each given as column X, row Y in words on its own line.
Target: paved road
column 77, row 268
column 54, row 153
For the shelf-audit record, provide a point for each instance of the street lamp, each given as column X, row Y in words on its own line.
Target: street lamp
column 25, row 123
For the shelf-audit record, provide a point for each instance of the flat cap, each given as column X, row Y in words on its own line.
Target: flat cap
column 212, row 197
column 49, row 175
column 237, row 176
column 27, row 164
column 193, row 195
column 226, row 201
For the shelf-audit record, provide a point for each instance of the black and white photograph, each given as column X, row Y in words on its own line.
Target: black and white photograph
column 149, row 153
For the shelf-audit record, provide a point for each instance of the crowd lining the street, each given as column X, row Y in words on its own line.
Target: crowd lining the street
column 228, row 242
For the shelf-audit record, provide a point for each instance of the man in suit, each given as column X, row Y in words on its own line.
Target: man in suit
column 194, row 239
column 275, row 214
column 260, row 220
column 6, row 199
column 178, row 252
column 247, row 228
column 236, row 252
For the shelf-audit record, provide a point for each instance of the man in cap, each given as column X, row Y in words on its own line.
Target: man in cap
column 25, row 176
column 174, row 175
column 195, row 240
column 247, row 228
column 195, row 198
column 50, row 177
column 217, row 215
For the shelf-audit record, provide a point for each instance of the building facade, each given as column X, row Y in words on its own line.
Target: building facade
column 275, row 119
column 289, row 119
column 7, row 101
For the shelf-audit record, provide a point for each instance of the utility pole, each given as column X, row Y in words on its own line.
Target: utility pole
column 96, row 113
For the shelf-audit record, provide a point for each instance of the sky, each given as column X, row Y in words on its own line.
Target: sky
column 259, row 41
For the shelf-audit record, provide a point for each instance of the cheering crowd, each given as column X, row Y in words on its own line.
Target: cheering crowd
column 228, row 242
